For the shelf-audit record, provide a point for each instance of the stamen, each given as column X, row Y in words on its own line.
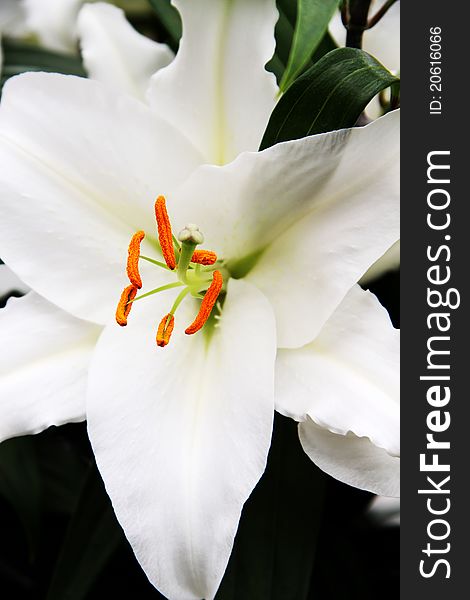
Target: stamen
column 133, row 259
column 204, row 257
column 165, row 329
column 207, row 304
column 164, row 232
column 125, row 304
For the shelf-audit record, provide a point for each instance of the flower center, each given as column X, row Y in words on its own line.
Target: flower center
column 195, row 272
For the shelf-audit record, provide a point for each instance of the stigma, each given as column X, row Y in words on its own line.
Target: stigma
column 195, row 272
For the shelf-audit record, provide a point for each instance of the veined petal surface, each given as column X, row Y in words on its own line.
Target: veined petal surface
column 347, row 379
column 181, row 434
column 44, row 358
column 115, row 53
column 80, row 168
column 217, row 90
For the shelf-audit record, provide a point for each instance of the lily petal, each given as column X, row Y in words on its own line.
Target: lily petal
column 308, row 270
column 217, row 90
column 115, row 53
column 347, row 379
column 79, row 173
column 44, row 357
column 9, row 282
column 323, row 209
column 181, row 435
column 351, row 459
column 54, row 22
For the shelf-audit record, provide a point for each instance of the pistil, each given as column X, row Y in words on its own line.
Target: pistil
column 189, row 237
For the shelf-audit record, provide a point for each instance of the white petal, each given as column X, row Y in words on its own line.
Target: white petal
column 115, row 53
column 54, row 22
column 382, row 40
column 351, row 459
column 347, row 379
column 308, row 270
column 330, row 202
column 217, row 90
column 181, row 434
column 9, row 282
column 44, row 358
column 387, row 262
column 80, row 167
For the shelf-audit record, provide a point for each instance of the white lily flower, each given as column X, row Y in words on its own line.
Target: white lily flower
column 54, row 22
column 115, row 53
column 181, row 434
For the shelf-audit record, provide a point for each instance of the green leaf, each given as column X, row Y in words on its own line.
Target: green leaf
column 330, row 95
column 289, row 8
column 274, row 550
column 283, row 32
column 92, row 538
column 170, row 19
column 311, row 24
column 19, row 57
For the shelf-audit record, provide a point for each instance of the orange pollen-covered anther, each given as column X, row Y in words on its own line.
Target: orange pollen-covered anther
column 164, row 232
column 133, row 259
column 125, row 304
column 204, row 257
column 207, row 304
column 165, row 329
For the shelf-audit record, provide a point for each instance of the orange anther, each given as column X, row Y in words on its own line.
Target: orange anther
column 165, row 329
column 204, row 257
column 207, row 303
column 133, row 259
column 164, row 232
column 125, row 304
